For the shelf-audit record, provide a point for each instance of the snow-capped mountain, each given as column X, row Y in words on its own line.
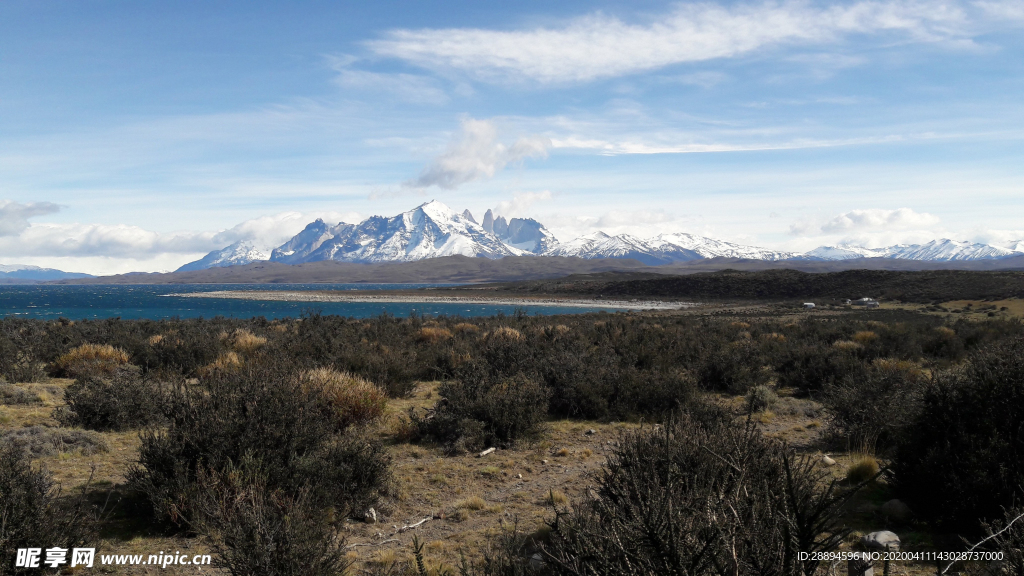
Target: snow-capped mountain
column 428, row 231
column 433, row 230
column 521, row 233
column 935, row 251
column 601, row 245
column 241, row 252
column 661, row 249
column 706, row 247
column 22, row 273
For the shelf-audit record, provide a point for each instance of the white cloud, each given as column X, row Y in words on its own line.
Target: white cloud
column 877, row 219
column 477, row 154
column 112, row 247
column 599, row 46
column 521, row 202
column 14, row 216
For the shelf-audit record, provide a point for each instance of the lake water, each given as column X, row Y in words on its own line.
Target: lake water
column 154, row 302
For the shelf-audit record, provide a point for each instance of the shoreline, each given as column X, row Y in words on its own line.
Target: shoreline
column 364, row 298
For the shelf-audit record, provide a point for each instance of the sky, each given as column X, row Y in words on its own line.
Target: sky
column 137, row 136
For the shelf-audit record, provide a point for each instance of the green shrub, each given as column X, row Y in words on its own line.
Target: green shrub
column 11, row 395
column 34, row 513
column 39, row 441
column 479, row 411
column 702, row 496
column 760, row 398
column 874, row 409
column 961, row 458
column 257, row 530
column 122, row 401
column 265, row 414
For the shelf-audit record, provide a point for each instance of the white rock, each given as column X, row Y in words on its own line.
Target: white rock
column 827, row 461
column 370, row 517
column 882, row 540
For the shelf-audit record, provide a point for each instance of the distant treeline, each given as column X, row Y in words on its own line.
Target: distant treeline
column 918, row 287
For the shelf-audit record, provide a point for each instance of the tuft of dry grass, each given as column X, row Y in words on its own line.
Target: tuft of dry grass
column 774, row 336
column 91, row 359
column 227, row 362
column 466, row 328
column 246, row 342
column 433, row 334
column 472, row 503
column 503, row 334
column 863, row 469
column 562, row 453
column 865, row 337
column 354, row 400
column 740, row 325
column 847, row 345
column 556, row 498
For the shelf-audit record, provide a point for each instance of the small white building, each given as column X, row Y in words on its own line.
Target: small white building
column 809, row 305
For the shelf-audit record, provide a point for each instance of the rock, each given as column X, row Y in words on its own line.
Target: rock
column 370, row 517
column 590, row 432
column 519, row 476
column 827, row 461
column 543, row 461
column 882, row 540
column 537, row 561
column 486, row 452
column 896, row 510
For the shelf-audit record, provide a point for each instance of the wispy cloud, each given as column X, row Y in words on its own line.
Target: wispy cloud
column 866, row 220
column 600, row 46
column 412, row 88
column 475, row 154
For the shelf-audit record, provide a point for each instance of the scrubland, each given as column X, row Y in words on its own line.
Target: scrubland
column 720, row 440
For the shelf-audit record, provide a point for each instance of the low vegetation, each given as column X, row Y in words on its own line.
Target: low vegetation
column 245, row 432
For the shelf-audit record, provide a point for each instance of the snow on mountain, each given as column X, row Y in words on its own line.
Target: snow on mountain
column 843, row 252
column 947, row 250
column 601, row 245
column 430, row 230
column 521, row 233
column 19, row 273
column 1015, row 246
column 705, row 247
column 944, row 250
column 241, row 252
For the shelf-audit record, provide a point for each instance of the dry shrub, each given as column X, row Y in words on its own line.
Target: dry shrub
column 945, row 331
column 865, row 337
column 847, row 345
column 503, row 334
column 246, row 342
column 39, row 441
column 774, row 336
column 433, row 334
column 355, row 401
column 740, row 325
column 466, row 328
column 155, row 339
column 862, row 470
column 90, row 359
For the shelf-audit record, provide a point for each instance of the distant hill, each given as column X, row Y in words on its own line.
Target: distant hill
column 464, row 269
column 24, row 274
column 905, row 286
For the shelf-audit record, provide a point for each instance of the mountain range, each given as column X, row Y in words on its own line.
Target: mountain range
column 433, row 230
column 25, row 274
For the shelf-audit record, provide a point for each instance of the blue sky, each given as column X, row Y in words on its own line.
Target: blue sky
column 140, row 135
